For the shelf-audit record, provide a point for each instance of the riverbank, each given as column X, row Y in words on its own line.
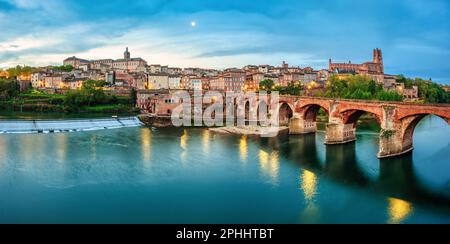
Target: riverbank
column 72, row 102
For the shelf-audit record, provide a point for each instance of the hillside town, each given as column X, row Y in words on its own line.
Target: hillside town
column 151, row 80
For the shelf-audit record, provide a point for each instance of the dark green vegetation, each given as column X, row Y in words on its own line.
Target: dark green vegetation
column 89, row 99
column 428, row 91
column 293, row 88
column 358, row 87
column 364, row 88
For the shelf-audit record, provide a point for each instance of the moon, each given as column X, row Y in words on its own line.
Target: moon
column 193, row 24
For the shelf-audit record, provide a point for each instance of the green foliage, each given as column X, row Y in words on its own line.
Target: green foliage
column 133, row 97
column 266, row 85
column 428, row 91
column 358, row 87
column 8, row 89
column 21, row 70
column 66, row 68
column 389, row 96
column 293, row 89
column 91, row 94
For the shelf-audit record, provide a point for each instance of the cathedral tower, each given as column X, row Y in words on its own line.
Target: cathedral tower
column 127, row 54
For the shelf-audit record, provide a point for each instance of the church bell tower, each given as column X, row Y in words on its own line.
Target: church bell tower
column 127, row 54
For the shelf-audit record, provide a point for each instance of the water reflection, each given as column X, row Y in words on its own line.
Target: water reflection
column 184, row 146
column 270, row 165
column 28, row 147
column 342, row 165
column 397, row 177
column 94, row 147
column 243, row 149
column 146, row 145
column 61, row 147
column 308, row 184
column 398, row 210
column 3, row 152
column 206, row 141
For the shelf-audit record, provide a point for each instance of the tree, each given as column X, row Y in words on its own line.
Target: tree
column 133, row 97
column 63, row 68
column 267, row 85
column 9, row 89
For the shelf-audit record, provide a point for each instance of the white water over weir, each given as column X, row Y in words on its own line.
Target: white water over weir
column 59, row 126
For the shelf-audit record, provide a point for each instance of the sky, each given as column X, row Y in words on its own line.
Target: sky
column 413, row 34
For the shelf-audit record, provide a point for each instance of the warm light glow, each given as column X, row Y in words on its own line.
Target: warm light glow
column 399, row 210
column 146, row 144
column 243, row 149
column 270, row 165
column 206, row 141
column 183, row 140
column 61, row 151
column 184, row 144
column 308, row 184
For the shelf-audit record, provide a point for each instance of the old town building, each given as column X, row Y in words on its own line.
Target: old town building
column 127, row 63
column 376, row 67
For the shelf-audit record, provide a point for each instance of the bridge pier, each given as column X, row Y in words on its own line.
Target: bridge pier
column 300, row 126
column 393, row 144
column 339, row 133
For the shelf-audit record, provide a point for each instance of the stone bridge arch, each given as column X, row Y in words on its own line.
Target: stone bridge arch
column 408, row 127
column 306, row 111
column 285, row 112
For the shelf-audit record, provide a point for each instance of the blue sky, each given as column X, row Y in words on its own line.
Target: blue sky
column 414, row 34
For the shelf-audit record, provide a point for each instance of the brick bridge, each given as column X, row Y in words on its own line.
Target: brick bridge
column 397, row 120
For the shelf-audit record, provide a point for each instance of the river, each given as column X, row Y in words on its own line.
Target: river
column 144, row 175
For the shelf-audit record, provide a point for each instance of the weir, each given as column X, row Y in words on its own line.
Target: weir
column 58, row 126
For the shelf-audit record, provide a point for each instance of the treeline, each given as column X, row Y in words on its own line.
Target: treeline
column 429, row 91
column 293, row 88
column 21, row 70
column 92, row 94
column 358, row 87
column 8, row 89
column 90, row 98
column 28, row 70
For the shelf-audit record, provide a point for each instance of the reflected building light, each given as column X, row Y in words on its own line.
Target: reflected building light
column 27, row 147
column 184, row 145
column 274, row 167
column 263, row 160
column 270, row 165
column 399, row 210
column 183, row 140
column 243, row 149
column 308, row 181
column 206, row 140
column 61, row 145
column 308, row 184
column 146, row 144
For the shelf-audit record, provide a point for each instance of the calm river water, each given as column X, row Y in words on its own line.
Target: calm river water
column 143, row 175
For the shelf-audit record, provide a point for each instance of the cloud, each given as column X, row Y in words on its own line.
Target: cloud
column 412, row 34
